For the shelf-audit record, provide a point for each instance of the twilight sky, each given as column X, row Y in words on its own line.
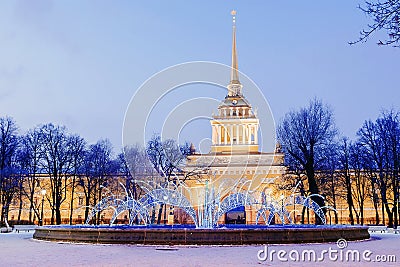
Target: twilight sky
column 78, row 63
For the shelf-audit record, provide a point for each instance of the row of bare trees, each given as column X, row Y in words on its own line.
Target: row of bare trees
column 49, row 157
column 322, row 162
column 319, row 162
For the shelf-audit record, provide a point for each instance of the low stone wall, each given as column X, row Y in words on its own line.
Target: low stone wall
column 189, row 236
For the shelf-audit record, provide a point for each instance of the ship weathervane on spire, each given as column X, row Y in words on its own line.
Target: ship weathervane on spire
column 234, row 87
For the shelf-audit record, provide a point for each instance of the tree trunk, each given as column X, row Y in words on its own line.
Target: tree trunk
column 153, row 215
column 349, row 197
column 58, row 203
column 87, row 203
column 31, row 207
column 362, row 211
column 72, row 200
column 386, row 207
column 99, row 213
column 376, row 215
column 58, row 215
column 52, row 215
column 160, row 211
column 2, row 215
column 396, row 197
column 313, row 188
column 389, row 214
column 334, row 198
column 20, row 207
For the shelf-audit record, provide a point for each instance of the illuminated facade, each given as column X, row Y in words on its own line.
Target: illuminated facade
column 234, row 161
column 235, row 158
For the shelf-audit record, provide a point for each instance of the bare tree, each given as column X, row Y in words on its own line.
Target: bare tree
column 168, row 159
column 55, row 161
column 9, row 183
column 358, row 166
column 305, row 134
column 374, row 190
column 389, row 129
column 328, row 177
column 385, row 16
column 29, row 158
column 381, row 141
column 344, row 161
column 99, row 167
column 135, row 165
column 78, row 149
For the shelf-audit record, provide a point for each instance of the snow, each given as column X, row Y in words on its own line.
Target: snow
column 21, row 250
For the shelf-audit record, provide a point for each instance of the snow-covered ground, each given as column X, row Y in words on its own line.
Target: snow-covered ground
column 21, row 250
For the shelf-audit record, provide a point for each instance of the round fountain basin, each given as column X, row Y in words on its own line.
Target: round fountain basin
column 187, row 235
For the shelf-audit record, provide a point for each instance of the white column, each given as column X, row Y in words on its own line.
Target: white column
column 219, row 133
column 225, row 135
column 248, row 134
column 255, row 134
column 243, row 135
column 251, row 134
column 237, row 133
column 231, row 133
column 216, row 134
column 213, row 134
column 252, row 131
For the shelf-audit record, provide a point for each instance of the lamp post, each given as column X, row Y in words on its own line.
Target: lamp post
column 282, row 197
column 43, row 193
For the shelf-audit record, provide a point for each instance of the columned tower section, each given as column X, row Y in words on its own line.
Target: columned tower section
column 235, row 127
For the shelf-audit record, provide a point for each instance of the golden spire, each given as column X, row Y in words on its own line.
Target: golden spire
column 234, row 87
column 234, row 71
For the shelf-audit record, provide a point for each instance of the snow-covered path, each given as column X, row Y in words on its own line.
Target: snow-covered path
column 21, row 250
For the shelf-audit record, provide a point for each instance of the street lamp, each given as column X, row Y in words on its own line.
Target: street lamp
column 43, row 193
column 282, row 197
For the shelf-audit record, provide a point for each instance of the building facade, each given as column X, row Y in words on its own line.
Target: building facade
column 234, row 163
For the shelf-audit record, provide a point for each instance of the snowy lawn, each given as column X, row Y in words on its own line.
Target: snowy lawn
column 21, row 250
